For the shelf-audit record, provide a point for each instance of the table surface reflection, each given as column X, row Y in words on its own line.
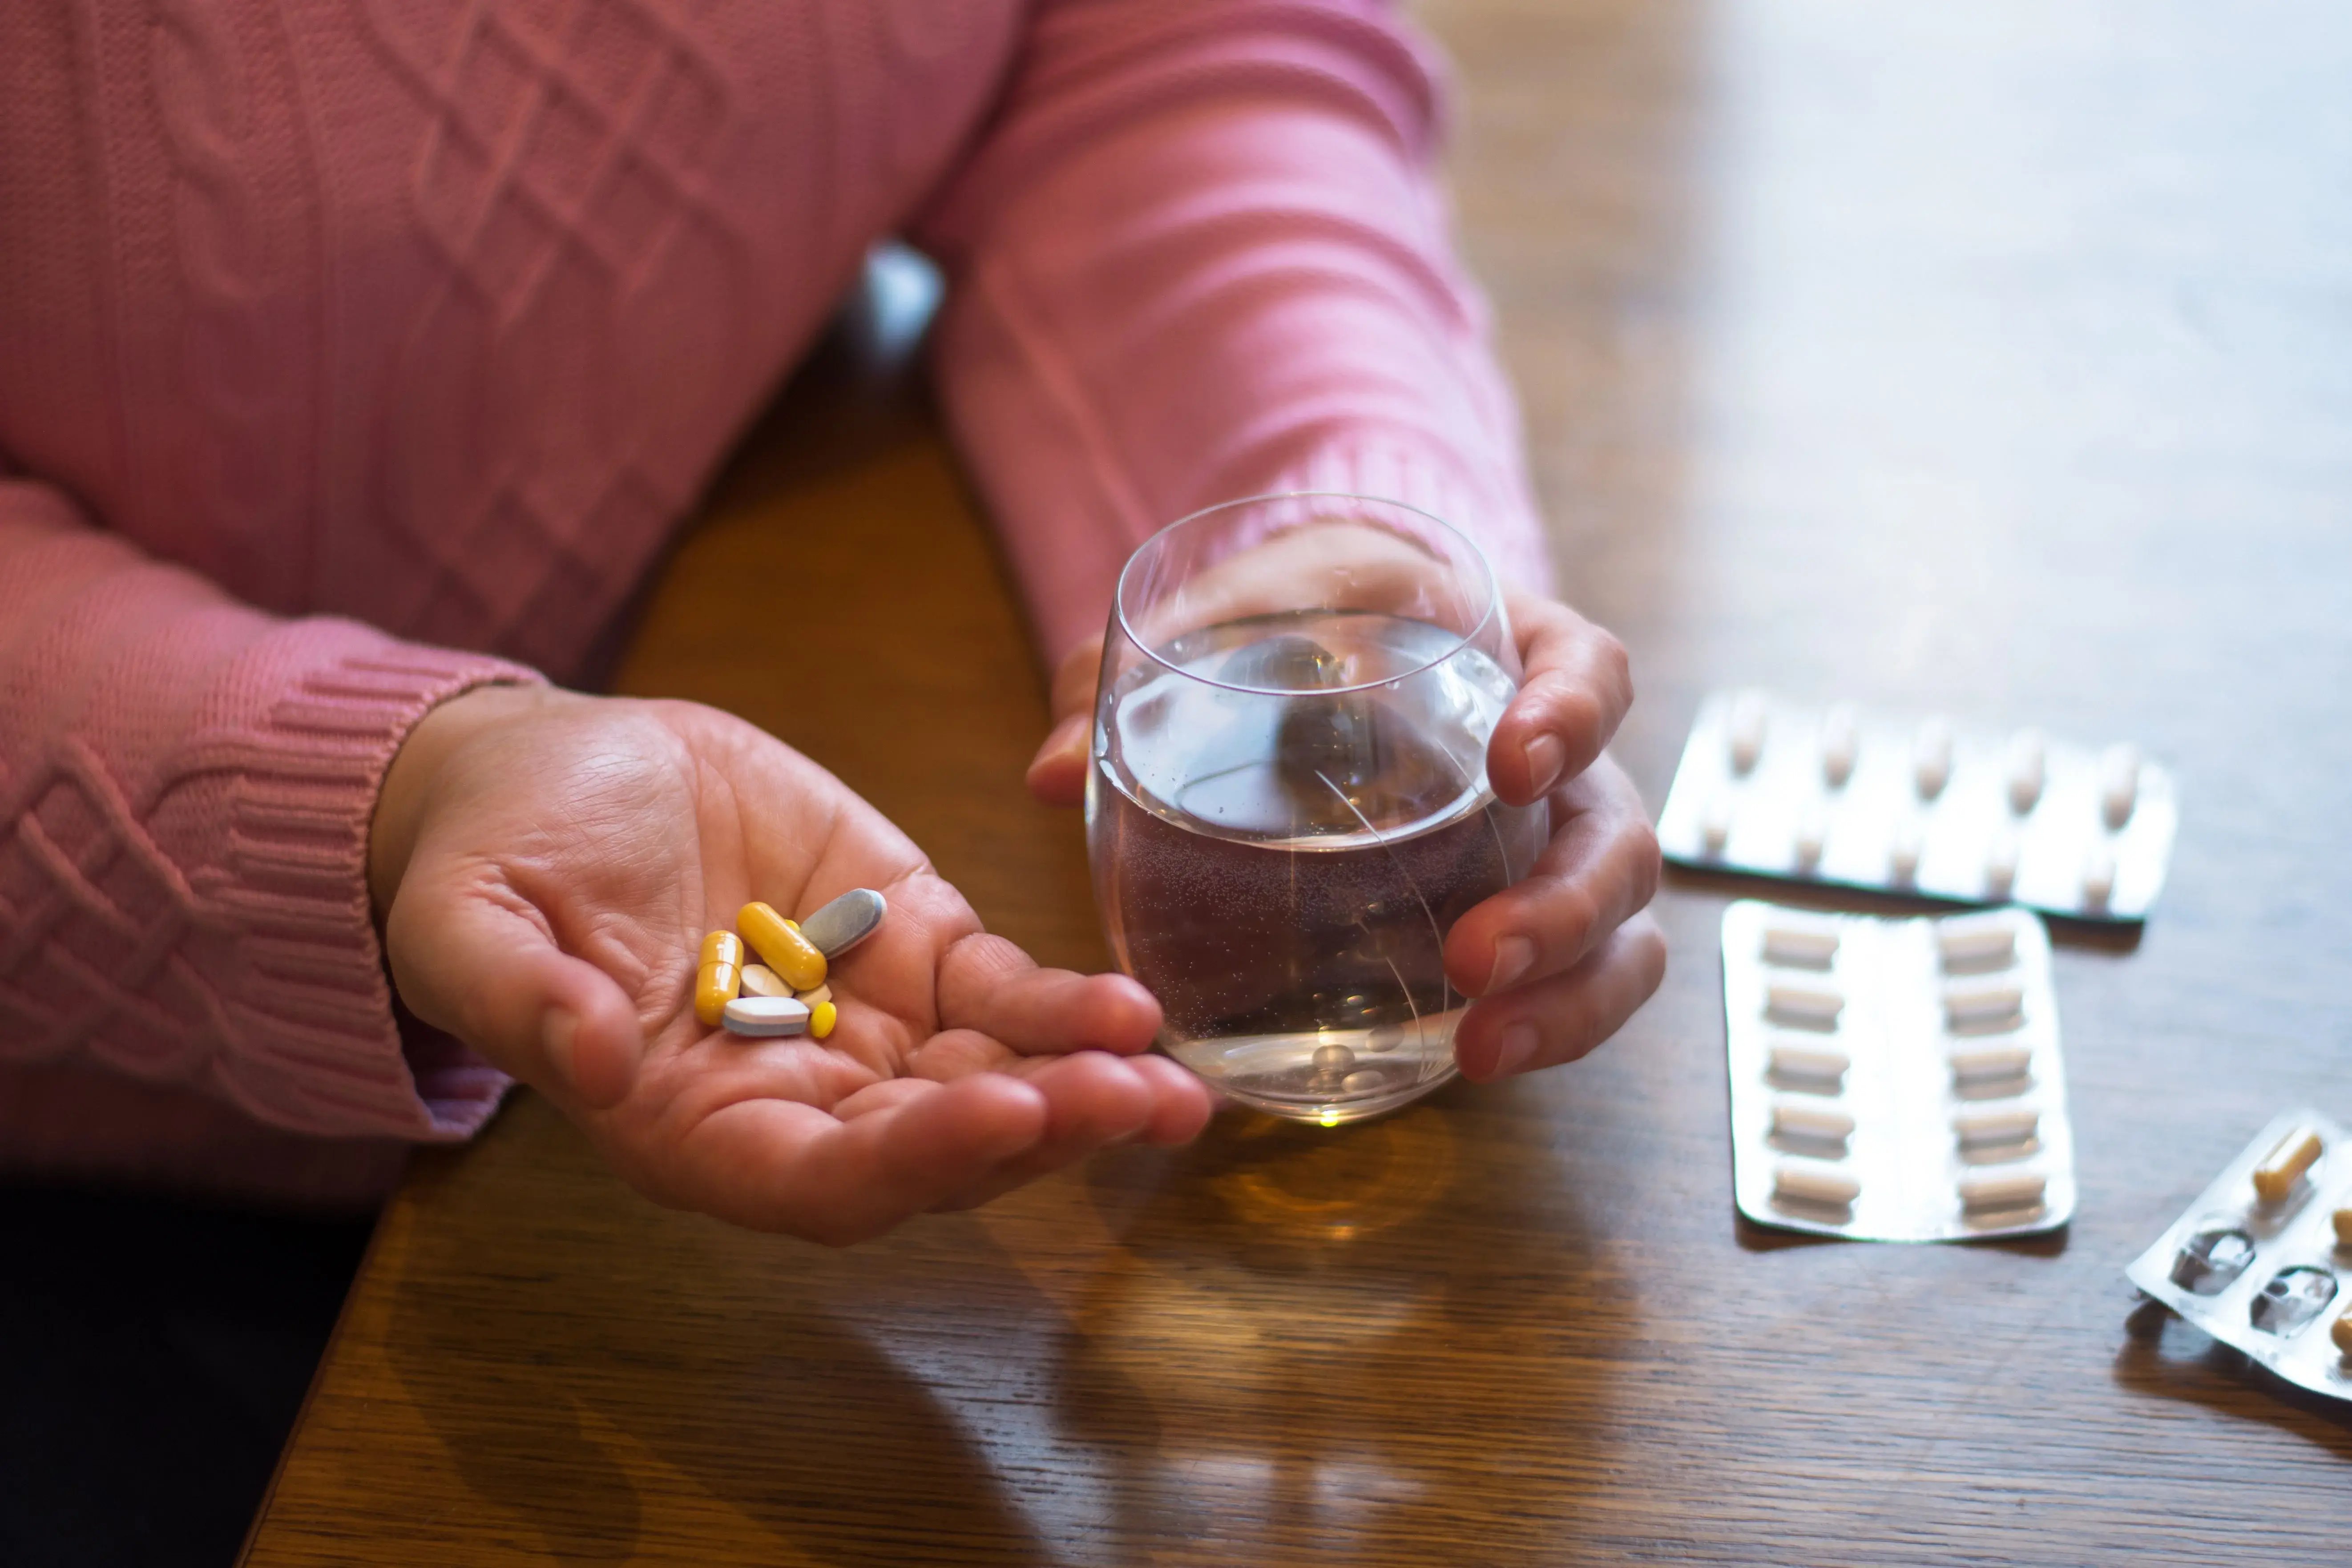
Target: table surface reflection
column 1993, row 359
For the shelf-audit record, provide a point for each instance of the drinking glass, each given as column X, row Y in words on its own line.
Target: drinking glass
column 1288, row 805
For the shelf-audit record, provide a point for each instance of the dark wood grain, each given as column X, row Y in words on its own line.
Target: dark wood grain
column 1990, row 359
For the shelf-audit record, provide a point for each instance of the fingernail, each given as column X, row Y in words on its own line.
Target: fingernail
column 1546, row 757
column 1512, row 1047
column 557, row 1035
column 1514, row 956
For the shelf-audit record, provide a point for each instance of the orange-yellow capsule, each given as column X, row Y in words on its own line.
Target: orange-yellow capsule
column 821, row 1020
column 719, row 978
column 779, row 944
column 2284, row 1165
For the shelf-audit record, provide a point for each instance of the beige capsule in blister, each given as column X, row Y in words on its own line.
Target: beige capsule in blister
column 2263, row 1259
column 1894, row 1079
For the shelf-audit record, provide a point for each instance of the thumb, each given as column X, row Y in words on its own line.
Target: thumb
column 493, row 977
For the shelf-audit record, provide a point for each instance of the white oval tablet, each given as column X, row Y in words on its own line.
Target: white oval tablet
column 763, row 1015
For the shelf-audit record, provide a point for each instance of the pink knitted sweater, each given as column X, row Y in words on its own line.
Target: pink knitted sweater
column 353, row 352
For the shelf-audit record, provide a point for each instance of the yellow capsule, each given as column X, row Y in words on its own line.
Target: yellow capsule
column 2284, row 1165
column 718, row 978
column 822, row 1017
column 780, row 942
column 2342, row 1332
column 2343, row 1222
column 758, row 980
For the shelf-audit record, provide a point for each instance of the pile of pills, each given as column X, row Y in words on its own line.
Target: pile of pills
column 2257, row 1261
column 1894, row 1079
column 1837, row 795
column 785, row 993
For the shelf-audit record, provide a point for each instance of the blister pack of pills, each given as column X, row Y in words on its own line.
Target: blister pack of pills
column 2260, row 1260
column 1894, row 1079
column 1834, row 795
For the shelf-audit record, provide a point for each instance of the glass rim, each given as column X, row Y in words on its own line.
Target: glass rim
column 1477, row 553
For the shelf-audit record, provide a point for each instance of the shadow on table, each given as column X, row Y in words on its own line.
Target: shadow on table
column 2165, row 1355
column 1276, row 1342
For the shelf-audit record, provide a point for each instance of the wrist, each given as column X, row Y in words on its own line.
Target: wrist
column 405, row 796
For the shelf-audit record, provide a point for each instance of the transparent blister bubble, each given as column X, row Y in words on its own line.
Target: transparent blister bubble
column 2257, row 1262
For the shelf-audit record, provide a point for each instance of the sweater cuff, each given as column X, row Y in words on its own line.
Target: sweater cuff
column 316, row 1047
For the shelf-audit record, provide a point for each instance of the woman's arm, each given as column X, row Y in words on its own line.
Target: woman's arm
column 186, row 785
column 1200, row 254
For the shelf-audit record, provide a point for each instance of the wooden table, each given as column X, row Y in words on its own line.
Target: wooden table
column 1994, row 359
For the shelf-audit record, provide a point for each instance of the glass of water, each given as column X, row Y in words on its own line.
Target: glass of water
column 1288, row 805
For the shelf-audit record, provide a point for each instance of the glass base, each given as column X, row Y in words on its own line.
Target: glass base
column 1326, row 1077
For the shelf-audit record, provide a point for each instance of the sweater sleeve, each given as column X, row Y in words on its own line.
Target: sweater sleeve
column 1198, row 255
column 185, row 785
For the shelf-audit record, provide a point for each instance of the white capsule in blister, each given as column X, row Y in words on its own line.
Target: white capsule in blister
column 1975, row 1007
column 1815, row 1005
column 1807, row 946
column 2026, row 752
column 1810, row 1062
column 2004, row 1190
column 1745, row 732
column 1841, row 742
column 1714, row 828
column 1931, row 758
column 1903, row 847
column 1967, row 945
column 2099, row 876
column 1814, row 1184
column 2000, row 865
column 2118, row 783
column 1822, row 1123
column 1812, row 833
column 1991, row 1062
column 1996, row 1126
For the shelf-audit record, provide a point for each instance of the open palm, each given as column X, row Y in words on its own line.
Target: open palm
column 548, row 863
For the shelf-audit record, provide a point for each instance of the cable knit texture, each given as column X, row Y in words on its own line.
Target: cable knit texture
column 355, row 352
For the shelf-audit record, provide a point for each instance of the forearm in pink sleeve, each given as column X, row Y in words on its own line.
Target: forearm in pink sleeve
column 1200, row 256
column 186, row 785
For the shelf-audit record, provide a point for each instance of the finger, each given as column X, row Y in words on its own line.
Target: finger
column 1095, row 1100
column 1058, row 774
column 1577, row 690
column 1601, row 867
column 490, row 973
column 1560, row 1019
column 1181, row 1103
column 775, row 1164
column 987, row 983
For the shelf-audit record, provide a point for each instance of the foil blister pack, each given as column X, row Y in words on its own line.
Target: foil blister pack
column 2261, row 1259
column 1837, row 795
column 1894, row 1079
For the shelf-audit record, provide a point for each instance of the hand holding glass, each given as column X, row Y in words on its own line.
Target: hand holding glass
column 1288, row 805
